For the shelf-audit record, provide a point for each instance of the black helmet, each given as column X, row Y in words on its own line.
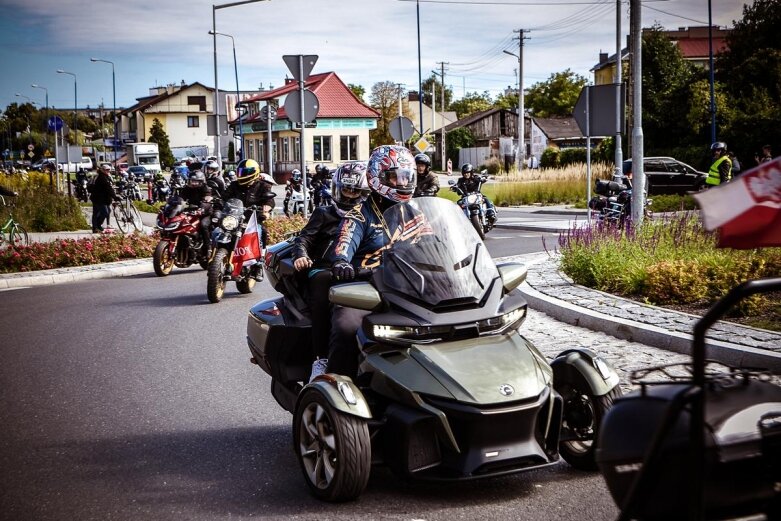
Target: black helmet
column 718, row 145
column 467, row 169
column 195, row 166
column 197, row 179
column 423, row 159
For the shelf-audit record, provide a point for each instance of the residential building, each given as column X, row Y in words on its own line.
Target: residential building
column 432, row 119
column 339, row 133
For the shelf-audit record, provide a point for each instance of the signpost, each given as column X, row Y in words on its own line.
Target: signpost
column 421, row 145
column 401, row 129
column 54, row 123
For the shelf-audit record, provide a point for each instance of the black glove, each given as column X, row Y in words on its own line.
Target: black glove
column 343, row 270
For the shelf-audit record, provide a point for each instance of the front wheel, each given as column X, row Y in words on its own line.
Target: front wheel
column 583, row 413
column 215, row 284
column 162, row 260
column 19, row 236
column 122, row 218
column 478, row 226
column 333, row 448
column 245, row 286
column 135, row 216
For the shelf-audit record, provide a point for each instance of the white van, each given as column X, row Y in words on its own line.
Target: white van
column 84, row 164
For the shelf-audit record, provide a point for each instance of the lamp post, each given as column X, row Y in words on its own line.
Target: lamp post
column 236, row 72
column 114, row 91
column 31, row 102
column 36, row 86
column 75, row 120
column 218, row 152
column 521, row 122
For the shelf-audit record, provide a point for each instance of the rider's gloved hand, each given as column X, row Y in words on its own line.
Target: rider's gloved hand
column 343, row 270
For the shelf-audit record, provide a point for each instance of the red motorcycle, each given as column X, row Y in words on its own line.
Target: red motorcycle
column 181, row 243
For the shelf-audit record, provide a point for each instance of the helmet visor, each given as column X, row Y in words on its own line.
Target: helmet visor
column 400, row 178
column 244, row 171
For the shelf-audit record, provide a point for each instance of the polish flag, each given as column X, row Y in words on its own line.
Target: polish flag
column 747, row 210
column 247, row 251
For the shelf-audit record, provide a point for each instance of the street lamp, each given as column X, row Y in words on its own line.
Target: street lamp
column 236, row 71
column 75, row 117
column 114, row 91
column 521, row 122
column 218, row 152
column 36, row 86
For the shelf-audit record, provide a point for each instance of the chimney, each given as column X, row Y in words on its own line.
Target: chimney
column 602, row 57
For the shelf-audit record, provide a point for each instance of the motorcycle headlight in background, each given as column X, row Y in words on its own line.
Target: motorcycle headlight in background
column 229, row 223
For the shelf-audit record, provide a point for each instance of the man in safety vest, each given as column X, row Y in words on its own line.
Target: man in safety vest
column 721, row 169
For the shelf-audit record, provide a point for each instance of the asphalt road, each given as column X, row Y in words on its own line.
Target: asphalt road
column 134, row 398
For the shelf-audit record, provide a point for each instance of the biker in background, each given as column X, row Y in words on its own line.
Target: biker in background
column 720, row 171
column 362, row 236
column 214, row 178
column 428, row 182
column 253, row 188
column 294, row 184
column 198, row 194
column 348, row 189
column 469, row 182
column 321, row 174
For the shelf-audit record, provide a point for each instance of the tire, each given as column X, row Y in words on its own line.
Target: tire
column 478, row 227
column 135, row 215
column 245, row 286
column 580, row 453
column 333, row 449
column 19, row 236
column 123, row 224
column 215, row 284
column 162, row 260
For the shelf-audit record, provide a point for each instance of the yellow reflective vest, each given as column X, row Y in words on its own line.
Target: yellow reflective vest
column 714, row 177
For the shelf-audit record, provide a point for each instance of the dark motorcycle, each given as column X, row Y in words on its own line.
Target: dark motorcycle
column 322, row 191
column 82, row 193
column 160, row 190
column 181, row 242
column 613, row 202
column 475, row 208
column 230, row 224
column 128, row 186
column 448, row 388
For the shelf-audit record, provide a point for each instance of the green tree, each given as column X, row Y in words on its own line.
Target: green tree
column 158, row 135
column 507, row 101
column 456, row 140
column 358, row 90
column 471, row 103
column 384, row 98
column 427, row 85
column 556, row 96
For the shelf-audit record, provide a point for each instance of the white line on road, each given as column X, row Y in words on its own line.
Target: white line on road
column 11, row 289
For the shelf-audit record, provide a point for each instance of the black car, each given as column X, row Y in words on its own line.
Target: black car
column 666, row 175
column 140, row 173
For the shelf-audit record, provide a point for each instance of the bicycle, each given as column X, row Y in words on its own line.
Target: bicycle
column 126, row 214
column 12, row 232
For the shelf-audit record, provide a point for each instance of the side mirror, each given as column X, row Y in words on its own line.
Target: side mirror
column 358, row 295
column 513, row 275
column 484, row 172
column 451, row 182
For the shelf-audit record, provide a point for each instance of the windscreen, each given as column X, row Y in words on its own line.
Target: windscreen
column 234, row 207
column 435, row 255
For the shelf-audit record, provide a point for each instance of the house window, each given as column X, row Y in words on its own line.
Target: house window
column 349, row 148
column 193, row 121
column 285, row 149
column 297, row 150
column 250, row 149
column 322, row 148
column 197, row 100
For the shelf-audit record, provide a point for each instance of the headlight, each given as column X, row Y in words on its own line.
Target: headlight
column 229, row 222
column 473, row 199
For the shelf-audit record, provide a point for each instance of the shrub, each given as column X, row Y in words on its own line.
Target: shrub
column 550, row 158
column 493, row 165
column 280, row 227
column 40, row 208
column 570, row 156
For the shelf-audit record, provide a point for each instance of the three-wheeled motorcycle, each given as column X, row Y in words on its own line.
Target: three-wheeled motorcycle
column 447, row 387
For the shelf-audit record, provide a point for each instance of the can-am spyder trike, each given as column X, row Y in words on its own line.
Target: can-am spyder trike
column 447, row 387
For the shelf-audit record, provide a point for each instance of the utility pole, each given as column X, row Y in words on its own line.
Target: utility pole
column 638, row 175
column 619, row 157
column 521, row 117
column 398, row 86
column 444, row 139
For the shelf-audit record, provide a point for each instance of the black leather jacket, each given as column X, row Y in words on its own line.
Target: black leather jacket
column 427, row 186
column 469, row 185
column 255, row 194
column 318, row 234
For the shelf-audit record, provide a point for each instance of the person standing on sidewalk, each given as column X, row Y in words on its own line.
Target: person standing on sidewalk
column 102, row 196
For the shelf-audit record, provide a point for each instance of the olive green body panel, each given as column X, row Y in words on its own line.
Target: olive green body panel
column 337, row 389
column 585, row 366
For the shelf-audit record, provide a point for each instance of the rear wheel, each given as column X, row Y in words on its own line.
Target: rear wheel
column 245, row 286
column 583, row 413
column 333, row 448
column 19, row 236
column 162, row 260
column 215, row 284
column 479, row 227
column 122, row 219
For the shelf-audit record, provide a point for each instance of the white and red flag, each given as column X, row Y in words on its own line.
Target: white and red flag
column 247, row 251
column 747, row 210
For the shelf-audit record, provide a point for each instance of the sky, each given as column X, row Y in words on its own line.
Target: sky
column 157, row 42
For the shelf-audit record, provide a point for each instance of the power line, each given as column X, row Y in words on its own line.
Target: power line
column 675, row 15
column 540, row 3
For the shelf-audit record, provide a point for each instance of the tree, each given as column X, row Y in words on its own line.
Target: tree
column 433, row 82
column 471, row 103
column 358, row 90
column 384, row 99
column 556, row 96
column 456, row 140
column 158, row 135
column 507, row 101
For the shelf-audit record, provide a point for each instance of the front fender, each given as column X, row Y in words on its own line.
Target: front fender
column 584, row 366
column 340, row 391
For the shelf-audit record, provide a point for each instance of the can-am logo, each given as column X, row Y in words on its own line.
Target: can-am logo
column 506, row 390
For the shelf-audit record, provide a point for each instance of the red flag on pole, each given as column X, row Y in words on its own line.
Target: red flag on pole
column 747, row 210
column 247, row 251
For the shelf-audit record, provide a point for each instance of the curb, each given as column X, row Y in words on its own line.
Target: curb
column 62, row 275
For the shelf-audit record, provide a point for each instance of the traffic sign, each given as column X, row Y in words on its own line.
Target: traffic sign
column 6, row 153
column 30, row 147
column 55, row 123
column 293, row 106
column 30, row 154
column 267, row 113
column 292, row 62
column 601, row 110
column 401, row 128
column 422, row 145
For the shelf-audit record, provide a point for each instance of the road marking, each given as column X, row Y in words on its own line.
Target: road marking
column 11, row 289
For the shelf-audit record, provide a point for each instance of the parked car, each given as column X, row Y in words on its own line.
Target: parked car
column 140, row 173
column 122, row 167
column 44, row 164
column 666, row 175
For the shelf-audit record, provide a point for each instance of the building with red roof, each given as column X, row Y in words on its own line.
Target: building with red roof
column 339, row 133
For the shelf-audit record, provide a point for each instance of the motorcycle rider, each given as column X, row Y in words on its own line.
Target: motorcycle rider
column 721, row 170
column 293, row 185
column 321, row 175
column 214, row 178
column 348, row 188
column 471, row 183
column 198, row 194
column 81, row 184
column 428, row 182
column 362, row 236
column 253, row 188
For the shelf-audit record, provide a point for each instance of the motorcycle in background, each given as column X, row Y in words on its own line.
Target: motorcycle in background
column 181, row 243
column 298, row 200
column 82, row 194
column 613, row 202
column 474, row 206
column 161, row 190
column 226, row 265
column 323, row 191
